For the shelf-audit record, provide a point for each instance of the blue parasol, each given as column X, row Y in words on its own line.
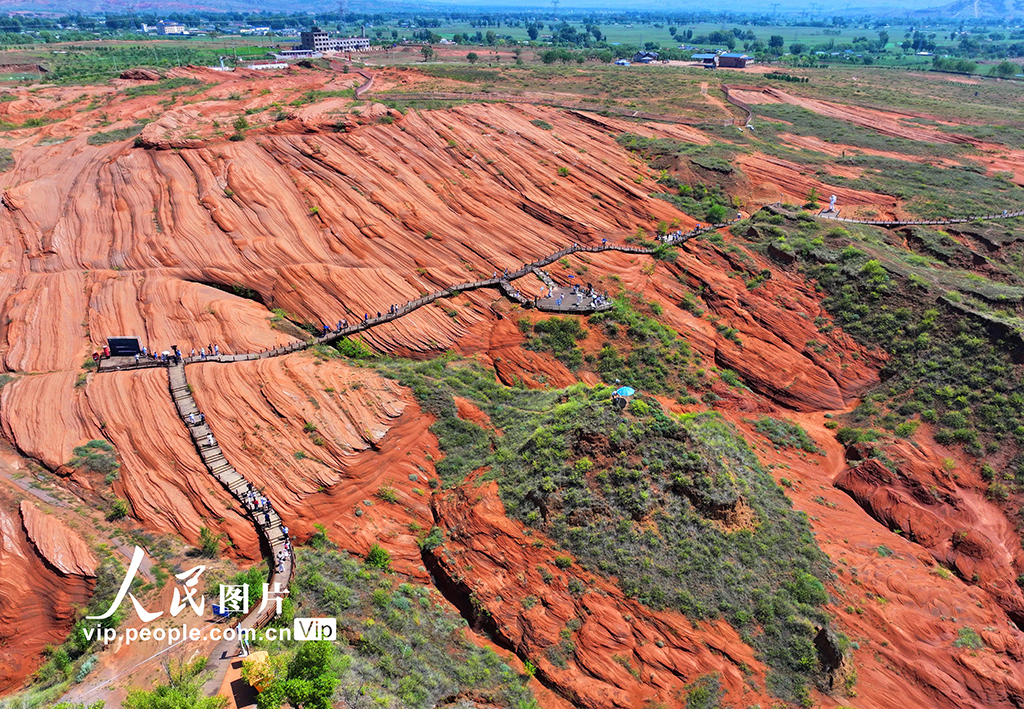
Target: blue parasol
column 625, row 391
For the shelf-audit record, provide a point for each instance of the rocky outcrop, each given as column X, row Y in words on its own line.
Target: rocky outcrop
column 140, row 74
column 37, row 602
column 590, row 644
column 57, row 543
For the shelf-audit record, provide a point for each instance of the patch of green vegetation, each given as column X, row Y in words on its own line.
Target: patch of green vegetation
column 786, row 434
column 662, row 153
column 559, row 336
column 113, row 136
column 411, row 649
column 74, row 658
column 1010, row 136
column 457, row 72
column 540, row 123
column 184, row 688
column 313, row 96
column 6, row 159
column 119, row 509
column 354, row 349
column 705, row 693
column 641, row 351
column 969, row 638
column 657, row 513
column 164, row 86
column 951, row 358
column 209, row 543
column 707, row 202
column 932, row 192
column 99, row 457
column 801, row 121
column 378, row 558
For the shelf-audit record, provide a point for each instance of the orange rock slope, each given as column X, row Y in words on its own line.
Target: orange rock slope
column 46, row 573
column 197, row 246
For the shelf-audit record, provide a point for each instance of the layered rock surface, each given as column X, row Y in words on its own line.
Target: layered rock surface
column 197, row 246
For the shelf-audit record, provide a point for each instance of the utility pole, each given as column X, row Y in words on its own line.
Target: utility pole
column 554, row 7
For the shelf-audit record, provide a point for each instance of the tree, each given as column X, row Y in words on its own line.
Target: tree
column 428, row 52
column 716, row 214
column 812, row 199
column 533, row 32
column 309, row 682
column 883, row 39
column 775, row 43
column 472, row 57
column 672, row 31
column 797, row 47
column 1005, row 70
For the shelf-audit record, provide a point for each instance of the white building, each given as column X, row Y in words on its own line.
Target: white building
column 316, row 40
column 170, row 28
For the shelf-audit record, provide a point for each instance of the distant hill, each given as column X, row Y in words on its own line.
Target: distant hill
column 976, row 10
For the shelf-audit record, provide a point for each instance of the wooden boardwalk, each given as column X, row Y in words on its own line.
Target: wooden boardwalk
column 268, row 523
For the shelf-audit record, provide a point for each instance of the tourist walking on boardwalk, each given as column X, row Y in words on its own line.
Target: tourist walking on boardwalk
column 209, row 440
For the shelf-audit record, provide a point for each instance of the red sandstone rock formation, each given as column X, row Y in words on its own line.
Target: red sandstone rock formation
column 57, row 543
column 38, row 600
column 196, row 246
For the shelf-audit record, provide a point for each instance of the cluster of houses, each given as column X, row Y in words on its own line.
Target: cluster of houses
column 726, row 60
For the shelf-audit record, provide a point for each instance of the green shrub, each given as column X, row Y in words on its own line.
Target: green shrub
column 354, row 349
column 559, row 336
column 674, row 473
column 99, row 457
column 786, row 434
column 387, row 492
column 209, row 543
column 183, row 689
column 969, row 638
column 705, row 693
column 114, row 136
column 118, row 510
column 433, row 540
column 378, row 558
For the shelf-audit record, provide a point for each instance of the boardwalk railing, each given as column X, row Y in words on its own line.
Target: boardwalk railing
column 925, row 222
column 398, row 311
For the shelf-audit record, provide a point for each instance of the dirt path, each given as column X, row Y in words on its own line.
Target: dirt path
column 714, row 100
